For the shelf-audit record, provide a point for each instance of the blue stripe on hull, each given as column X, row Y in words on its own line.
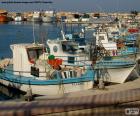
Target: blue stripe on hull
column 89, row 76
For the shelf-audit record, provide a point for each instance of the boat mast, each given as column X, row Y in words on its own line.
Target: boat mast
column 34, row 32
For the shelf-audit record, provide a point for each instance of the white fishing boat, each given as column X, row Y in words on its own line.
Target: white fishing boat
column 118, row 70
column 18, row 18
column 103, row 41
column 31, row 70
column 49, row 16
column 36, row 16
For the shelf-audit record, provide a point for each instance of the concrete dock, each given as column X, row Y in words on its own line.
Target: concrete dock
column 113, row 100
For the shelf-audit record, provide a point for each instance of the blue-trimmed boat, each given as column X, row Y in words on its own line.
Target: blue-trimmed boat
column 116, row 70
column 30, row 70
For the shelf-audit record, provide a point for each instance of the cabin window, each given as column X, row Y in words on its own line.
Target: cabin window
column 75, row 36
column 67, row 47
column 34, row 54
column 71, row 73
column 68, row 74
column 65, row 74
column 101, row 37
column 35, row 71
column 55, row 49
column 71, row 60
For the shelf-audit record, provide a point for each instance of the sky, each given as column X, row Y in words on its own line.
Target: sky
column 77, row 5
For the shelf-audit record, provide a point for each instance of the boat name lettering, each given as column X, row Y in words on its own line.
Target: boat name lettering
column 77, row 83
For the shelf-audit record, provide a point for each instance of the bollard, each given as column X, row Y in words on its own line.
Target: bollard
column 101, row 84
column 28, row 97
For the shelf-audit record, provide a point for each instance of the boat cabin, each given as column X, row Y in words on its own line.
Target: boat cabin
column 104, row 41
column 27, row 57
column 67, row 50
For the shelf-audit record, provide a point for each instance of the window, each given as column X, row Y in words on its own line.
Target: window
column 55, row 49
column 71, row 60
column 34, row 54
column 101, row 37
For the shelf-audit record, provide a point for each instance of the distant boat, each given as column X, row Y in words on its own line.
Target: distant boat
column 49, row 16
column 117, row 68
column 18, row 18
column 36, row 17
column 3, row 16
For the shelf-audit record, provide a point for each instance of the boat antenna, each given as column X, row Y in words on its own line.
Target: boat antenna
column 62, row 30
column 34, row 32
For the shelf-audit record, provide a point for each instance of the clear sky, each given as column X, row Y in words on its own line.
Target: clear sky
column 77, row 5
column 98, row 5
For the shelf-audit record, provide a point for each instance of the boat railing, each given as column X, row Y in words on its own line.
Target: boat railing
column 114, row 64
column 131, row 49
column 78, row 60
column 20, row 73
column 88, row 76
column 118, row 62
column 71, row 56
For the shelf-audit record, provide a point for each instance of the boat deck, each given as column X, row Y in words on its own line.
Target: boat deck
column 89, row 102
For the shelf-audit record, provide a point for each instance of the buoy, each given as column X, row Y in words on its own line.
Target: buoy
column 51, row 57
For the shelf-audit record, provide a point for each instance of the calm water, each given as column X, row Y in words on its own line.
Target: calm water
column 13, row 33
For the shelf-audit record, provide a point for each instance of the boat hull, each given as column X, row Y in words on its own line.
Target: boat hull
column 50, row 89
column 48, row 19
column 119, row 75
column 36, row 19
column 18, row 19
column 3, row 18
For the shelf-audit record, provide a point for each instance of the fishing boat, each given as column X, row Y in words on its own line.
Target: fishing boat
column 36, row 17
column 49, row 16
column 3, row 16
column 127, row 45
column 18, row 18
column 34, row 69
column 117, row 45
column 118, row 69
